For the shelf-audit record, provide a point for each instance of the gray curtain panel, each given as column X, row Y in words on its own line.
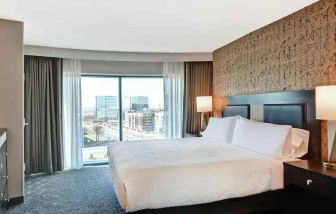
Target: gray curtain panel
column 43, row 108
column 198, row 82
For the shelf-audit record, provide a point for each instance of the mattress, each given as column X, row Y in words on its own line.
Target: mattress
column 167, row 173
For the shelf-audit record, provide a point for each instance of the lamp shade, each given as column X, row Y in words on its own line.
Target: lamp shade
column 326, row 102
column 204, row 103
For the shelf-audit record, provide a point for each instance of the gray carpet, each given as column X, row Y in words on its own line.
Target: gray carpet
column 88, row 190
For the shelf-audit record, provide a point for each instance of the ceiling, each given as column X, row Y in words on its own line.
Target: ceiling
column 174, row 26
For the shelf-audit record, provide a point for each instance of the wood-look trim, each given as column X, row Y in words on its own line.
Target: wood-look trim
column 15, row 201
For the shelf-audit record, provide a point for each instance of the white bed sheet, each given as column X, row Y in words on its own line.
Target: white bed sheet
column 165, row 173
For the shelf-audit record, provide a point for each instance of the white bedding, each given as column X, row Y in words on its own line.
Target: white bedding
column 166, row 173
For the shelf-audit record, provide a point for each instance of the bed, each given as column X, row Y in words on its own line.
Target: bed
column 197, row 175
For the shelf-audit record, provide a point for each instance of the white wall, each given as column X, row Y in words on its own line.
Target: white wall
column 115, row 56
column 11, row 100
column 122, row 68
column 117, row 63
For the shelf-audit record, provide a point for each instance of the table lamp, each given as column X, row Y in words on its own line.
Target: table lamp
column 326, row 110
column 203, row 104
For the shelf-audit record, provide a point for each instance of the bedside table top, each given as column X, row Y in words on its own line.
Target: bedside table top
column 191, row 135
column 313, row 166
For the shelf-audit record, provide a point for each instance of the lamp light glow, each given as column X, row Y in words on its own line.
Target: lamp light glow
column 204, row 103
column 326, row 102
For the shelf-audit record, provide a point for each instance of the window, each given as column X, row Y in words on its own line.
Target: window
column 100, row 112
column 141, row 106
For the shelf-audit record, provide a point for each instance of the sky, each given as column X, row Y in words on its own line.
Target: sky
column 131, row 86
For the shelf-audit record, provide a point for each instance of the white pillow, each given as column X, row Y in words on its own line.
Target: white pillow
column 263, row 138
column 296, row 144
column 220, row 128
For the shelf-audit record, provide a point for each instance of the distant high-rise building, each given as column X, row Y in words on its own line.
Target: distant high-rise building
column 140, row 121
column 106, row 107
column 148, row 120
column 138, row 103
column 159, row 122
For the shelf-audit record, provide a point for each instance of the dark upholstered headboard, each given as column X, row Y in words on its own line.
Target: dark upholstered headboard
column 286, row 108
column 234, row 110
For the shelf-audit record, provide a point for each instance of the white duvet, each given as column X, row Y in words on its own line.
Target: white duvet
column 165, row 173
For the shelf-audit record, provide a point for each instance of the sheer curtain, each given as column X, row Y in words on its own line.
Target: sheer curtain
column 72, row 122
column 173, row 77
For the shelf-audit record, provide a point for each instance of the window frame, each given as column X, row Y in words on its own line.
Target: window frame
column 120, row 103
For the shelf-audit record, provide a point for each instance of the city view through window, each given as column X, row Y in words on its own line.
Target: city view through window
column 143, row 108
column 142, row 114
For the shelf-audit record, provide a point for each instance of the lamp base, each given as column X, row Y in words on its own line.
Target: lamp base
column 329, row 165
column 203, row 123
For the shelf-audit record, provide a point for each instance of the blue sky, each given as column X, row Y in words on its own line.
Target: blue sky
column 131, row 86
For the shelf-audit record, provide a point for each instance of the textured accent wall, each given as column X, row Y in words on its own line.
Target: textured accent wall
column 297, row 52
column 294, row 53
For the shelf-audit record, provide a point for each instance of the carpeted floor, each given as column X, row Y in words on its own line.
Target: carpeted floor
column 88, row 190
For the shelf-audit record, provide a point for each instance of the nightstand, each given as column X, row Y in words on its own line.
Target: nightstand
column 309, row 185
column 191, row 135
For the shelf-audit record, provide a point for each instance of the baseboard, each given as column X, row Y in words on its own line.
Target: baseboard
column 15, row 201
